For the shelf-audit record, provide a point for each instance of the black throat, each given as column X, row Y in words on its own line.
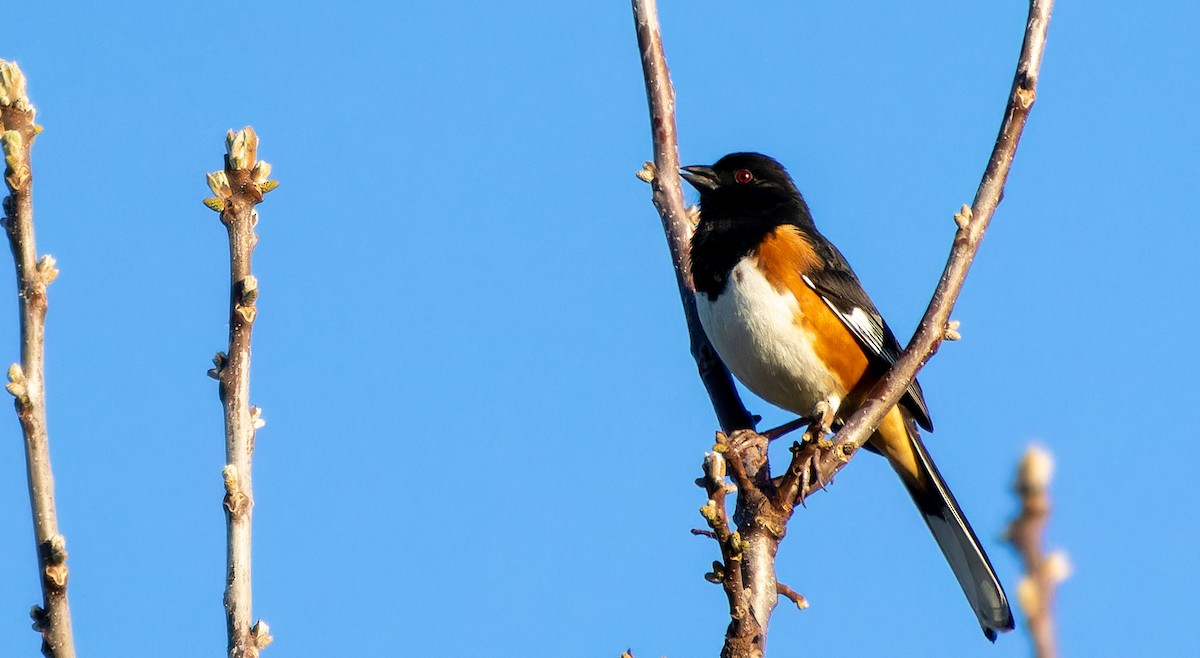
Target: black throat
column 731, row 228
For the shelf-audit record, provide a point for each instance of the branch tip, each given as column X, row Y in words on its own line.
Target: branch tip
column 12, row 87
column 1036, row 470
column 241, row 148
column 792, row 595
column 46, row 269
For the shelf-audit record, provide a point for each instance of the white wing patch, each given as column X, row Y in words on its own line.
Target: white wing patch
column 859, row 322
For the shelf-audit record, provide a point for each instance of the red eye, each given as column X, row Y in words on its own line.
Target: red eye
column 743, row 176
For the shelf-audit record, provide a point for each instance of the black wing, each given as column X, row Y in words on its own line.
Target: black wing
column 843, row 293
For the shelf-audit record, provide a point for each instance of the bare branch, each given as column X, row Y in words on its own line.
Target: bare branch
column 26, row 380
column 1026, row 533
column 238, row 188
column 663, row 177
column 972, row 222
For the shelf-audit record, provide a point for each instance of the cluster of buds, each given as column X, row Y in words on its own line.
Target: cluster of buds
column 241, row 153
column 12, row 87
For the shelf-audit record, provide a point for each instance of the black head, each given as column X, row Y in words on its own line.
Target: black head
column 743, row 198
column 748, row 181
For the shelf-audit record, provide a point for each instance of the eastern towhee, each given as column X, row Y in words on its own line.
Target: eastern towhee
column 790, row 319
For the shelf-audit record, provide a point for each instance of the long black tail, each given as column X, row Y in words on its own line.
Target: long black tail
column 958, row 542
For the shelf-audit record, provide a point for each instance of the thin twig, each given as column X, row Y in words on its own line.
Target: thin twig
column 764, row 506
column 1026, row 533
column 792, row 595
column 238, row 188
column 26, row 380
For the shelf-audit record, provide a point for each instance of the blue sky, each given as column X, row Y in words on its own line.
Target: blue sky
column 482, row 421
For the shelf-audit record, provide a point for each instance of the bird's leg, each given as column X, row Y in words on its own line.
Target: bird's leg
column 786, row 428
column 821, row 423
column 818, row 429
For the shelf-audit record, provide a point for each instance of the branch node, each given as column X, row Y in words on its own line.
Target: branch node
column 846, row 451
column 230, row 476
column 647, row 173
column 16, row 382
column 260, row 173
column 736, row 545
column 256, row 418
column 46, row 269
column 260, row 635
column 220, row 360
column 218, row 182
column 56, row 549
column 1026, row 92
column 717, row 575
column 1057, row 567
column 952, row 330
column 56, row 575
column 963, row 217
column 41, row 620
column 16, row 171
column 247, row 313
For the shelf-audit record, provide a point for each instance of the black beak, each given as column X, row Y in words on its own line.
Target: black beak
column 702, row 178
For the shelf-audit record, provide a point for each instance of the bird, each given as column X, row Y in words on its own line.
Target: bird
column 792, row 322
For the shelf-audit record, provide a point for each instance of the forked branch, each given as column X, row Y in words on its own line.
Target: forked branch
column 764, row 505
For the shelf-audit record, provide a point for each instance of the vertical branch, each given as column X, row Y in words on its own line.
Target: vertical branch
column 239, row 187
column 26, row 379
column 1026, row 533
column 748, row 572
column 663, row 177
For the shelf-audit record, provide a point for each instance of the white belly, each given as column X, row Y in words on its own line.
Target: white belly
column 753, row 327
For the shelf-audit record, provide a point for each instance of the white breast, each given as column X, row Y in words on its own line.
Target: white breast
column 753, row 327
